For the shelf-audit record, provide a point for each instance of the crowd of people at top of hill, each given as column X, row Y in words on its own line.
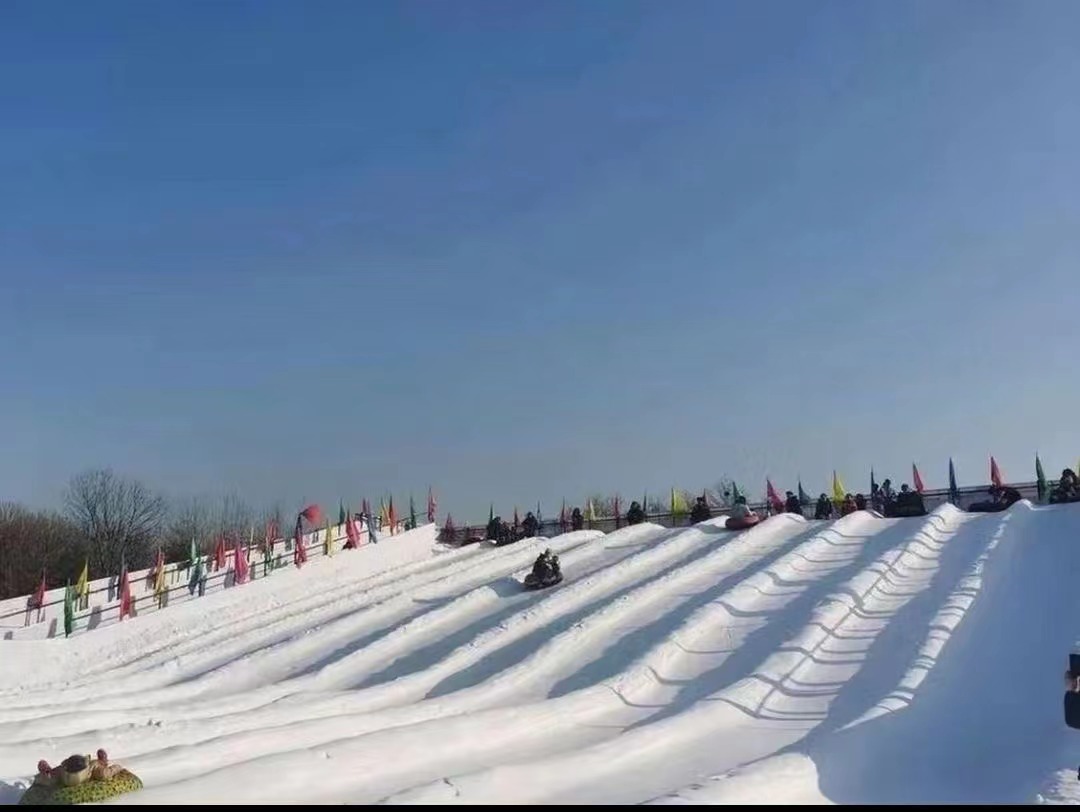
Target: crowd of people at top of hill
column 1068, row 488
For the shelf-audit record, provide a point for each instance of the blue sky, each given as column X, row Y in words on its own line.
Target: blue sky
column 530, row 250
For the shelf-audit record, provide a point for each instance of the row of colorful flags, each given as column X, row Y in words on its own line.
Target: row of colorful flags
column 77, row 596
column 679, row 501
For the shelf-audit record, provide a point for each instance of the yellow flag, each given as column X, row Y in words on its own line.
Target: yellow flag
column 678, row 502
column 82, row 586
column 328, row 542
column 838, row 491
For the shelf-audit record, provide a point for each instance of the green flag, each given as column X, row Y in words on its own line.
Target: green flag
column 734, row 491
column 1040, row 479
column 69, row 610
column 341, row 513
column 804, row 497
column 412, row 512
column 491, row 513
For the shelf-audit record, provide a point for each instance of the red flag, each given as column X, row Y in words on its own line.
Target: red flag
column 431, row 505
column 618, row 515
column 391, row 516
column 995, row 473
column 299, row 551
column 125, row 594
column 270, row 537
column 774, row 498
column 313, row 513
column 352, row 536
column 240, row 564
column 916, row 479
column 38, row 601
column 219, row 554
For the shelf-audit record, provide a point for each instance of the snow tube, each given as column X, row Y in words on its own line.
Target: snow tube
column 742, row 524
column 532, row 582
column 904, row 511
column 987, row 507
column 87, row 792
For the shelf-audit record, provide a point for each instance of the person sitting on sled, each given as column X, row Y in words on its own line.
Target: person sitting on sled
column 740, row 510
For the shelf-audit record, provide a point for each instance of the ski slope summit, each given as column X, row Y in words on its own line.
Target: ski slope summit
column 865, row 660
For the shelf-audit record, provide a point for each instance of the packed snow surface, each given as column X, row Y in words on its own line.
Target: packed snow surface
column 865, row 660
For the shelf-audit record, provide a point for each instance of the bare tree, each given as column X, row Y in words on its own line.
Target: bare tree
column 35, row 544
column 190, row 519
column 118, row 517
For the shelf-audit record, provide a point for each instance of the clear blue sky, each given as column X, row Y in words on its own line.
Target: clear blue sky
column 532, row 250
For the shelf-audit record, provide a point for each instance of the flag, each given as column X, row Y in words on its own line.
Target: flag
column 448, row 528
column 734, row 492
column 270, row 537
column 618, row 513
column 774, row 498
column 159, row 576
column 352, row 536
column 516, row 520
column 432, row 505
column 412, row 513
column 873, row 482
column 838, row 491
column 384, row 517
column 341, row 512
column 219, row 554
column 365, row 508
column 125, row 591
column 564, row 522
column 299, row 551
column 82, row 586
column 391, row 516
column 645, row 504
column 678, row 503
column 954, row 492
column 1040, row 479
column 38, row 601
column 328, row 540
column 539, row 515
column 916, row 480
column 995, row 472
column 240, row 565
column 194, row 582
column 590, row 511
column 804, row 497
column 312, row 513
column 69, row 610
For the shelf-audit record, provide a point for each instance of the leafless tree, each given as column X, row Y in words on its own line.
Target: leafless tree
column 118, row 517
column 33, row 544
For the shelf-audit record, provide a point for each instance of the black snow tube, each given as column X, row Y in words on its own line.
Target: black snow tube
column 987, row 507
column 532, row 581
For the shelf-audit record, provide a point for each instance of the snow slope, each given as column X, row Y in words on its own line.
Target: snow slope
column 862, row 661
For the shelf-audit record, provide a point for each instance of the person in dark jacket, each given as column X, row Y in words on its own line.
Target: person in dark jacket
column 824, row 508
column 635, row 515
column 792, row 504
column 530, row 526
column 847, row 507
column 860, row 502
column 577, row 521
column 1068, row 488
column 701, row 511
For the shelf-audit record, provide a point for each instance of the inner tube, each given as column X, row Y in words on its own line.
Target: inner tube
column 986, row 507
column 532, row 582
column 742, row 524
column 87, row 792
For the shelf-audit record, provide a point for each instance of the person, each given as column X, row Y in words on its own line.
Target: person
column 792, row 504
column 530, row 526
column 546, row 566
column 907, row 503
column 700, row 512
column 635, row 515
column 577, row 521
column 1006, row 496
column 1068, row 488
column 847, row 507
column 740, row 510
column 824, row 508
column 860, row 502
column 888, row 495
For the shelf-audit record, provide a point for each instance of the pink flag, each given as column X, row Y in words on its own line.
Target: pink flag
column 240, row 564
column 774, row 498
column 313, row 513
column 270, row 537
column 352, row 537
column 299, row 551
column 916, row 479
column 125, row 594
column 995, row 473
column 219, row 554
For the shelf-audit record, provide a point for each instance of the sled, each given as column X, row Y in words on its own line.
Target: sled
column 533, row 582
column 742, row 524
column 89, row 791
